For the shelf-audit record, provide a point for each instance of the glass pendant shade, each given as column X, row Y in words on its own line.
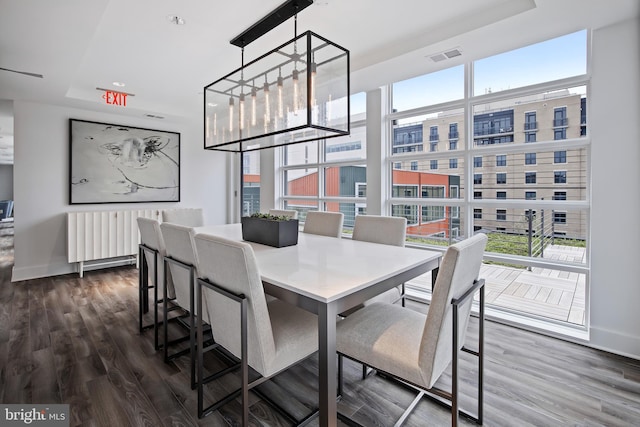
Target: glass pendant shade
column 298, row 92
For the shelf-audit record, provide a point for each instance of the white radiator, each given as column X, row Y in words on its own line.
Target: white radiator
column 101, row 235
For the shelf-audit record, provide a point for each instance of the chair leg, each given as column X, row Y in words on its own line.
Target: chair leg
column 165, row 324
column 340, row 360
column 192, row 342
column 402, row 294
column 481, row 358
column 155, row 303
column 245, row 363
column 454, row 370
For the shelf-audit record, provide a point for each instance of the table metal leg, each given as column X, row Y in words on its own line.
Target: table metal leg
column 327, row 364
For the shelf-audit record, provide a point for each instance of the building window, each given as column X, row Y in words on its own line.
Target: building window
column 559, row 117
column 501, row 215
column 361, row 189
column 453, row 131
column 414, row 166
column 477, row 178
column 433, row 164
column 501, row 160
column 530, row 137
column 453, row 145
column 477, row 194
column 433, row 134
column 406, row 139
column 477, row 214
column 501, row 178
column 477, row 162
column 559, row 195
column 559, row 217
column 530, row 122
column 453, row 163
column 501, row 194
column 345, row 146
column 432, row 213
column 560, row 133
column 453, row 192
column 560, row 177
column 560, row 157
column 433, row 146
column 529, row 158
column 530, row 195
column 530, row 177
column 397, row 165
column 433, row 192
column 405, row 191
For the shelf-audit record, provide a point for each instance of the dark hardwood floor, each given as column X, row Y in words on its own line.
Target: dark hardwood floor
column 70, row 340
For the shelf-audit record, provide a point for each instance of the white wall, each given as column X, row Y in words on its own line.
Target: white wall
column 6, row 182
column 614, row 109
column 41, row 173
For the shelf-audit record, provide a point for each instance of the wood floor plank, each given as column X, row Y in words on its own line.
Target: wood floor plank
column 47, row 389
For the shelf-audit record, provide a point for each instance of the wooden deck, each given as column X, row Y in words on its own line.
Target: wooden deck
column 554, row 294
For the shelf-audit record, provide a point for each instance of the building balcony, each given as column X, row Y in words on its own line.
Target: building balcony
column 560, row 122
column 531, row 126
column 434, row 138
column 540, row 292
column 493, row 131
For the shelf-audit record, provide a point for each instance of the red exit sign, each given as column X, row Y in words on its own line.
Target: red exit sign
column 115, row 98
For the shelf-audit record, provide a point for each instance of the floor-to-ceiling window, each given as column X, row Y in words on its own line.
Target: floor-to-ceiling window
column 510, row 156
column 506, row 154
column 328, row 175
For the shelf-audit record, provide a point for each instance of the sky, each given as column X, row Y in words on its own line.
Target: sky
column 554, row 59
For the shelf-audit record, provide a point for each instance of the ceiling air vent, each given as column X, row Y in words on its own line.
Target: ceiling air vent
column 444, row 55
column 453, row 53
column 153, row 116
column 439, row 57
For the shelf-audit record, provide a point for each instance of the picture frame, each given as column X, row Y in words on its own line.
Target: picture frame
column 111, row 163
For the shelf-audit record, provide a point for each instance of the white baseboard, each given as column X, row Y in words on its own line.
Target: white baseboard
column 39, row 271
column 615, row 342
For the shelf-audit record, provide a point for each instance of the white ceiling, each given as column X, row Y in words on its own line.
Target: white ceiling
column 79, row 45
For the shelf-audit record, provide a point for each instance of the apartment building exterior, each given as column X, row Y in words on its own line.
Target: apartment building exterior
column 541, row 174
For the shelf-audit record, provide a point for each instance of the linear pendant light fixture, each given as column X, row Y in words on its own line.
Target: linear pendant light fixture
column 297, row 92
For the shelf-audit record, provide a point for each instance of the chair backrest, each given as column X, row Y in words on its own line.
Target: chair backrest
column 232, row 265
column 191, row 217
column 178, row 240
column 324, row 223
column 283, row 212
column 151, row 236
column 387, row 230
column 460, row 267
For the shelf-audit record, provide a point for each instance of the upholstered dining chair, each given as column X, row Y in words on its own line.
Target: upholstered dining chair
column 293, row 214
column 268, row 336
column 417, row 348
column 180, row 261
column 191, row 217
column 324, row 223
column 386, row 230
column 151, row 252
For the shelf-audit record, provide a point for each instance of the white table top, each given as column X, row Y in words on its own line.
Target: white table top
column 325, row 268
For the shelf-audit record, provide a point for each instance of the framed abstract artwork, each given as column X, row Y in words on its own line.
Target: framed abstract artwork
column 111, row 163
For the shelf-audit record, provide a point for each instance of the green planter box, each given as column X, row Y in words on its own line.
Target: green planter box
column 269, row 232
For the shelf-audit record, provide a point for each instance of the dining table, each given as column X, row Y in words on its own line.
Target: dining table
column 327, row 276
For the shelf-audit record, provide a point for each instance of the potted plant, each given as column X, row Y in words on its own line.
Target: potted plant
column 271, row 230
